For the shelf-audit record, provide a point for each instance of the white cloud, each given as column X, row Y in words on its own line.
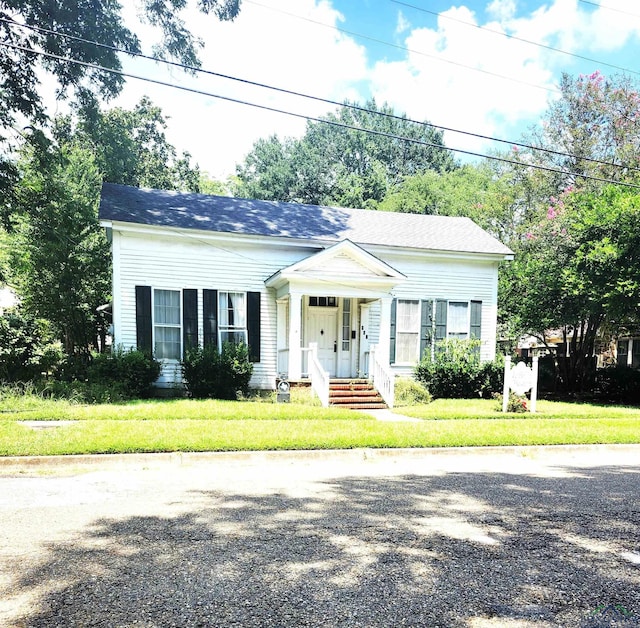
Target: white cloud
column 502, row 9
column 402, row 24
column 450, row 77
column 264, row 46
column 452, row 74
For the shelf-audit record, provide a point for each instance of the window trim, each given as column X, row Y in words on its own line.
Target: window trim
column 180, row 326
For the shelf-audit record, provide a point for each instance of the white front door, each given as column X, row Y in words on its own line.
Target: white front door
column 322, row 327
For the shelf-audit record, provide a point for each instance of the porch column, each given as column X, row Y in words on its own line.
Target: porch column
column 382, row 350
column 295, row 335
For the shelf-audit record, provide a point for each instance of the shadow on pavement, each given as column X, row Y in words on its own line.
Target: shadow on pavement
column 461, row 549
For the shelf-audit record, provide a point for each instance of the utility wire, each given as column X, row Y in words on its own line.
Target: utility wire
column 514, row 37
column 319, row 120
column 355, row 107
column 602, row 6
column 404, row 48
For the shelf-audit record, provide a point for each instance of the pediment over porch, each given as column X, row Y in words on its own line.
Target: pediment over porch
column 342, row 269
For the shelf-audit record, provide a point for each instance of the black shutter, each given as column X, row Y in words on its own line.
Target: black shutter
column 144, row 331
column 476, row 319
column 392, row 339
column 253, row 325
column 426, row 328
column 189, row 319
column 210, row 317
column 441, row 321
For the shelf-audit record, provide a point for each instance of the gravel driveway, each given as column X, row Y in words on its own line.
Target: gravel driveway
column 480, row 538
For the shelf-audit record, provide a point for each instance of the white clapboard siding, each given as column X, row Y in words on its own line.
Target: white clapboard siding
column 166, row 263
column 195, row 260
column 429, row 277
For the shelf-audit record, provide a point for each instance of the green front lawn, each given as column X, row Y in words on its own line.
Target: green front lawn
column 188, row 425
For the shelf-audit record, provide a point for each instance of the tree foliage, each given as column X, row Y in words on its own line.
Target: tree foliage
column 594, row 127
column 335, row 164
column 578, row 271
column 60, row 263
column 130, row 146
column 31, row 27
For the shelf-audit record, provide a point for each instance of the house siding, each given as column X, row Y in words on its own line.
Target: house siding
column 162, row 262
column 201, row 261
column 450, row 280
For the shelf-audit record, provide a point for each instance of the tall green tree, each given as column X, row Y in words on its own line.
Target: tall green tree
column 579, row 271
column 594, row 127
column 336, row 163
column 130, row 146
column 33, row 39
column 60, row 263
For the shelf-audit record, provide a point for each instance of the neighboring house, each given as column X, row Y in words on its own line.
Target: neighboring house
column 627, row 350
column 287, row 278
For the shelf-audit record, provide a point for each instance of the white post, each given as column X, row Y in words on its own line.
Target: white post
column 384, row 340
column 505, row 390
column 295, row 326
column 534, row 382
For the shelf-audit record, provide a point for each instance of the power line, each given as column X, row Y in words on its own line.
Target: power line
column 602, row 6
column 319, row 120
column 351, row 106
column 404, row 48
column 514, row 37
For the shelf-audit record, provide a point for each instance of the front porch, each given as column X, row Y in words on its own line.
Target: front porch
column 333, row 314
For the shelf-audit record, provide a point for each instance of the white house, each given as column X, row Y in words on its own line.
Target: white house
column 312, row 290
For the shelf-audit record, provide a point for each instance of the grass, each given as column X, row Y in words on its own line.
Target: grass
column 189, row 425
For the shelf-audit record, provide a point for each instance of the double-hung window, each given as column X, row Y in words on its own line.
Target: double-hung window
column 232, row 310
column 166, row 324
column 407, row 331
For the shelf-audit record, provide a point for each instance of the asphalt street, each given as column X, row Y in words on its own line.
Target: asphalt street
column 522, row 537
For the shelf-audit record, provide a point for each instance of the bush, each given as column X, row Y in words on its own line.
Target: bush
column 26, row 349
column 409, row 392
column 490, row 379
column 457, row 373
column 129, row 374
column 219, row 375
column 515, row 403
column 618, row 384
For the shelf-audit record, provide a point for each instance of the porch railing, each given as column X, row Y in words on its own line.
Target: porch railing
column 319, row 377
column 382, row 376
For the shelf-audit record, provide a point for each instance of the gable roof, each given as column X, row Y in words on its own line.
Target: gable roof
column 223, row 214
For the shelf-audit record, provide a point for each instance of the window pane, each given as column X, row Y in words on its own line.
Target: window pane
column 234, row 337
column 233, row 310
column 346, row 324
column 406, row 348
column 408, row 316
column 167, row 344
column 457, row 320
column 167, row 307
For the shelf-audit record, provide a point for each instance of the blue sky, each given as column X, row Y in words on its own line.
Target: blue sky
column 451, row 69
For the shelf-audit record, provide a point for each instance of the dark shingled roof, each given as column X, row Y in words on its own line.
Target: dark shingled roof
column 181, row 210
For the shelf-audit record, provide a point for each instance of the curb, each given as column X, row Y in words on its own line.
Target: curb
column 153, row 460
